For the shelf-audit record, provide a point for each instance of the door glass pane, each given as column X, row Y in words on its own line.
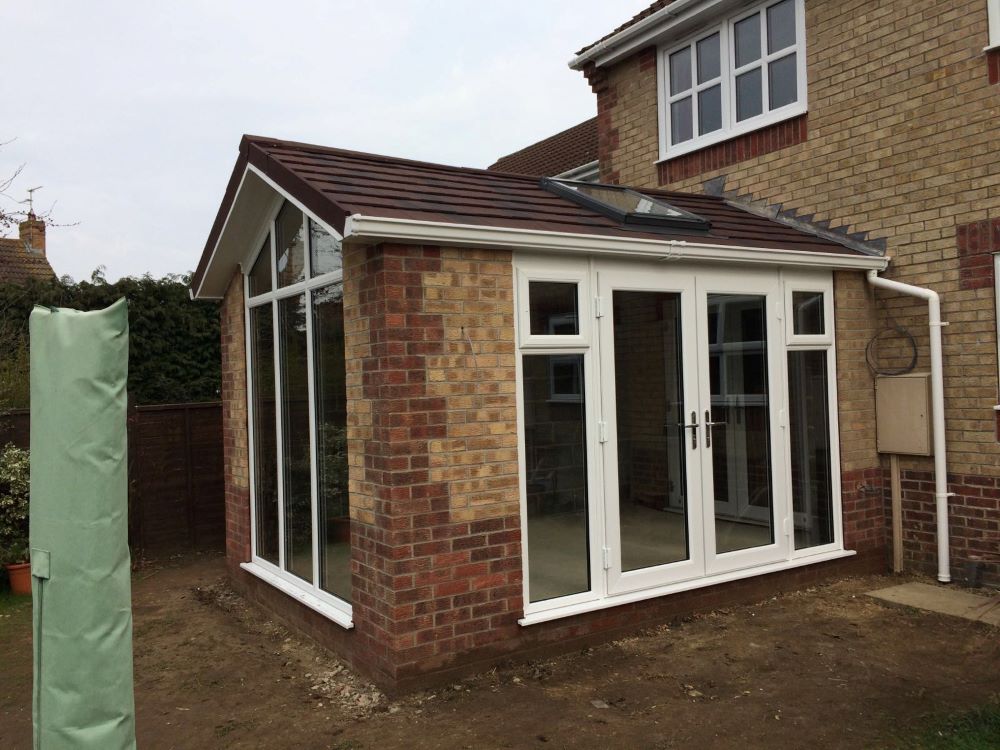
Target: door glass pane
column 324, row 250
column 290, row 244
column 809, row 423
column 749, row 99
column 747, row 40
column 260, row 273
column 780, row 26
column 265, row 441
column 556, row 477
column 708, row 59
column 680, row 71
column 295, row 436
column 741, row 435
column 649, row 396
column 331, row 441
column 681, row 128
column 807, row 314
column 553, row 308
column 710, row 110
column 782, row 82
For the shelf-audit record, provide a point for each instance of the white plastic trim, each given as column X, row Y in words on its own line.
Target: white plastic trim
column 696, row 583
column 342, row 618
column 358, row 227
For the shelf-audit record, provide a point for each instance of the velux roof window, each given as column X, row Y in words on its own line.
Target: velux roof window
column 633, row 209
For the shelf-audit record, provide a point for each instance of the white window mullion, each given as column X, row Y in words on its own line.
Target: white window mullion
column 313, row 443
column 249, row 390
column 279, row 431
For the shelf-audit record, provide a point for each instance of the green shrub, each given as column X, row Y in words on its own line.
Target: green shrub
column 14, row 490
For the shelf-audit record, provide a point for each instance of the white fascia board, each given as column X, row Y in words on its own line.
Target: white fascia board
column 366, row 228
column 649, row 30
column 197, row 293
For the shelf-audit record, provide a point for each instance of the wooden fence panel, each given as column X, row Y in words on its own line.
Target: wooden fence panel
column 176, row 492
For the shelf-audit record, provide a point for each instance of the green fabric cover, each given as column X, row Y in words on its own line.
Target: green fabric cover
column 79, row 530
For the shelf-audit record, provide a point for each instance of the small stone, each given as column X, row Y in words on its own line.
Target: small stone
column 599, row 704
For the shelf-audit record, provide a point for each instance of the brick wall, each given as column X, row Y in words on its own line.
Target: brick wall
column 236, row 458
column 433, row 456
column 900, row 143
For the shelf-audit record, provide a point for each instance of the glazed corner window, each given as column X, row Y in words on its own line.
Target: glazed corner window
column 993, row 12
column 297, row 373
column 740, row 75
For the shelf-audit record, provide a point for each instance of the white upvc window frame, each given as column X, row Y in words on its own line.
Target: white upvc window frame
column 730, row 127
column 531, row 267
column 993, row 16
column 308, row 593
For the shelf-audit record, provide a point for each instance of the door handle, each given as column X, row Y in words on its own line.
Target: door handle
column 694, row 429
column 709, row 424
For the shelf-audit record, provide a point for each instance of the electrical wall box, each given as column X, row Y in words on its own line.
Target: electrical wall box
column 903, row 414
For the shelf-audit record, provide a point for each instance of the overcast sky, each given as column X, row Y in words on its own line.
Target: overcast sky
column 130, row 115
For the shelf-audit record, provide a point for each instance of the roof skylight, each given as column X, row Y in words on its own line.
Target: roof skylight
column 633, row 209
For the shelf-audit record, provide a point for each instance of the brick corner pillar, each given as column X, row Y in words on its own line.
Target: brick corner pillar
column 433, row 457
column 236, row 451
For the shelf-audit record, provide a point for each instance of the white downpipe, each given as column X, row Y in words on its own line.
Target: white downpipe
column 941, row 493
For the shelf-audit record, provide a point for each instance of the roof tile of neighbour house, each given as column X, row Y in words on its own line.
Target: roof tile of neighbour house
column 556, row 154
column 18, row 265
column 334, row 184
column 658, row 5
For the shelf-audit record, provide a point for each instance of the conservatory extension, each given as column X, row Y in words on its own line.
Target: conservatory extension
column 470, row 414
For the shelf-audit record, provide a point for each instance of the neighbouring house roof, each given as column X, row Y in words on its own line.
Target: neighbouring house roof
column 556, row 154
column 18, row 264
column 348, row 190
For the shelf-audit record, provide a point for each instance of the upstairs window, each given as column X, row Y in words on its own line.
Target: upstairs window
column 732, row 78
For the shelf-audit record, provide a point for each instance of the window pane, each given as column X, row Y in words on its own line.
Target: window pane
column 710, row 110
column 680, row 71
column 290, row 245
column 553, row 308
column 747, row 40
column 331, row 441
column 812, row 488
column 265, row 440
column 741, row 414
column 781, row 26
column 649, row 399
column 807, row 314
column 748, row 95
column 782, row 82
column 295, row 436
column 324, row 250
column 708, row 58
column 681, row 128
column 555, row 442
column 260, row 273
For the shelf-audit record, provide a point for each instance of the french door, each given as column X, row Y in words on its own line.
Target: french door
column 690, row 400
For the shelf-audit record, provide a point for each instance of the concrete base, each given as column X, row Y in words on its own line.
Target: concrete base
column 942, row 599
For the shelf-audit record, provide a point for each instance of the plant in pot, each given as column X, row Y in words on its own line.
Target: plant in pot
column 14, row 490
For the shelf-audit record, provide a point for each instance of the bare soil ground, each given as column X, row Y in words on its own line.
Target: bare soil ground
column 821, row 668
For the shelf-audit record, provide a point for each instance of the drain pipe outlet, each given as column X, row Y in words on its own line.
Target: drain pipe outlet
column 941, row 493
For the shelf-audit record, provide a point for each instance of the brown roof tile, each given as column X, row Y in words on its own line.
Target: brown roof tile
column 631, row 22
column 17, row 265
column 558, row 153
column 334, row 184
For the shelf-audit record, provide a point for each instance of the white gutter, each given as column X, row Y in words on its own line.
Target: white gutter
column 358, row 227
column 607, row 47
column 941, row 493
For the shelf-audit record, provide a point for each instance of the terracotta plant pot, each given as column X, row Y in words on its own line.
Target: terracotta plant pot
column 20, row 578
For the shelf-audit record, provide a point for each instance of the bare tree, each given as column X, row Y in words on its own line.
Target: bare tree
column 12, row 210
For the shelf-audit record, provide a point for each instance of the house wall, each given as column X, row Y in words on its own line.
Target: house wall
column 899, row 141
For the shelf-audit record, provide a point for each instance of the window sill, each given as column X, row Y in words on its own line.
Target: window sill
column 557, row 613
column 748, row 127
column 344, row 619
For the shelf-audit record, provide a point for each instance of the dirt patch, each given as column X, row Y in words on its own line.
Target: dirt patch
column 824, row 668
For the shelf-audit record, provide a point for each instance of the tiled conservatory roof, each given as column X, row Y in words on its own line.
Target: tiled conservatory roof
column 334, row 184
